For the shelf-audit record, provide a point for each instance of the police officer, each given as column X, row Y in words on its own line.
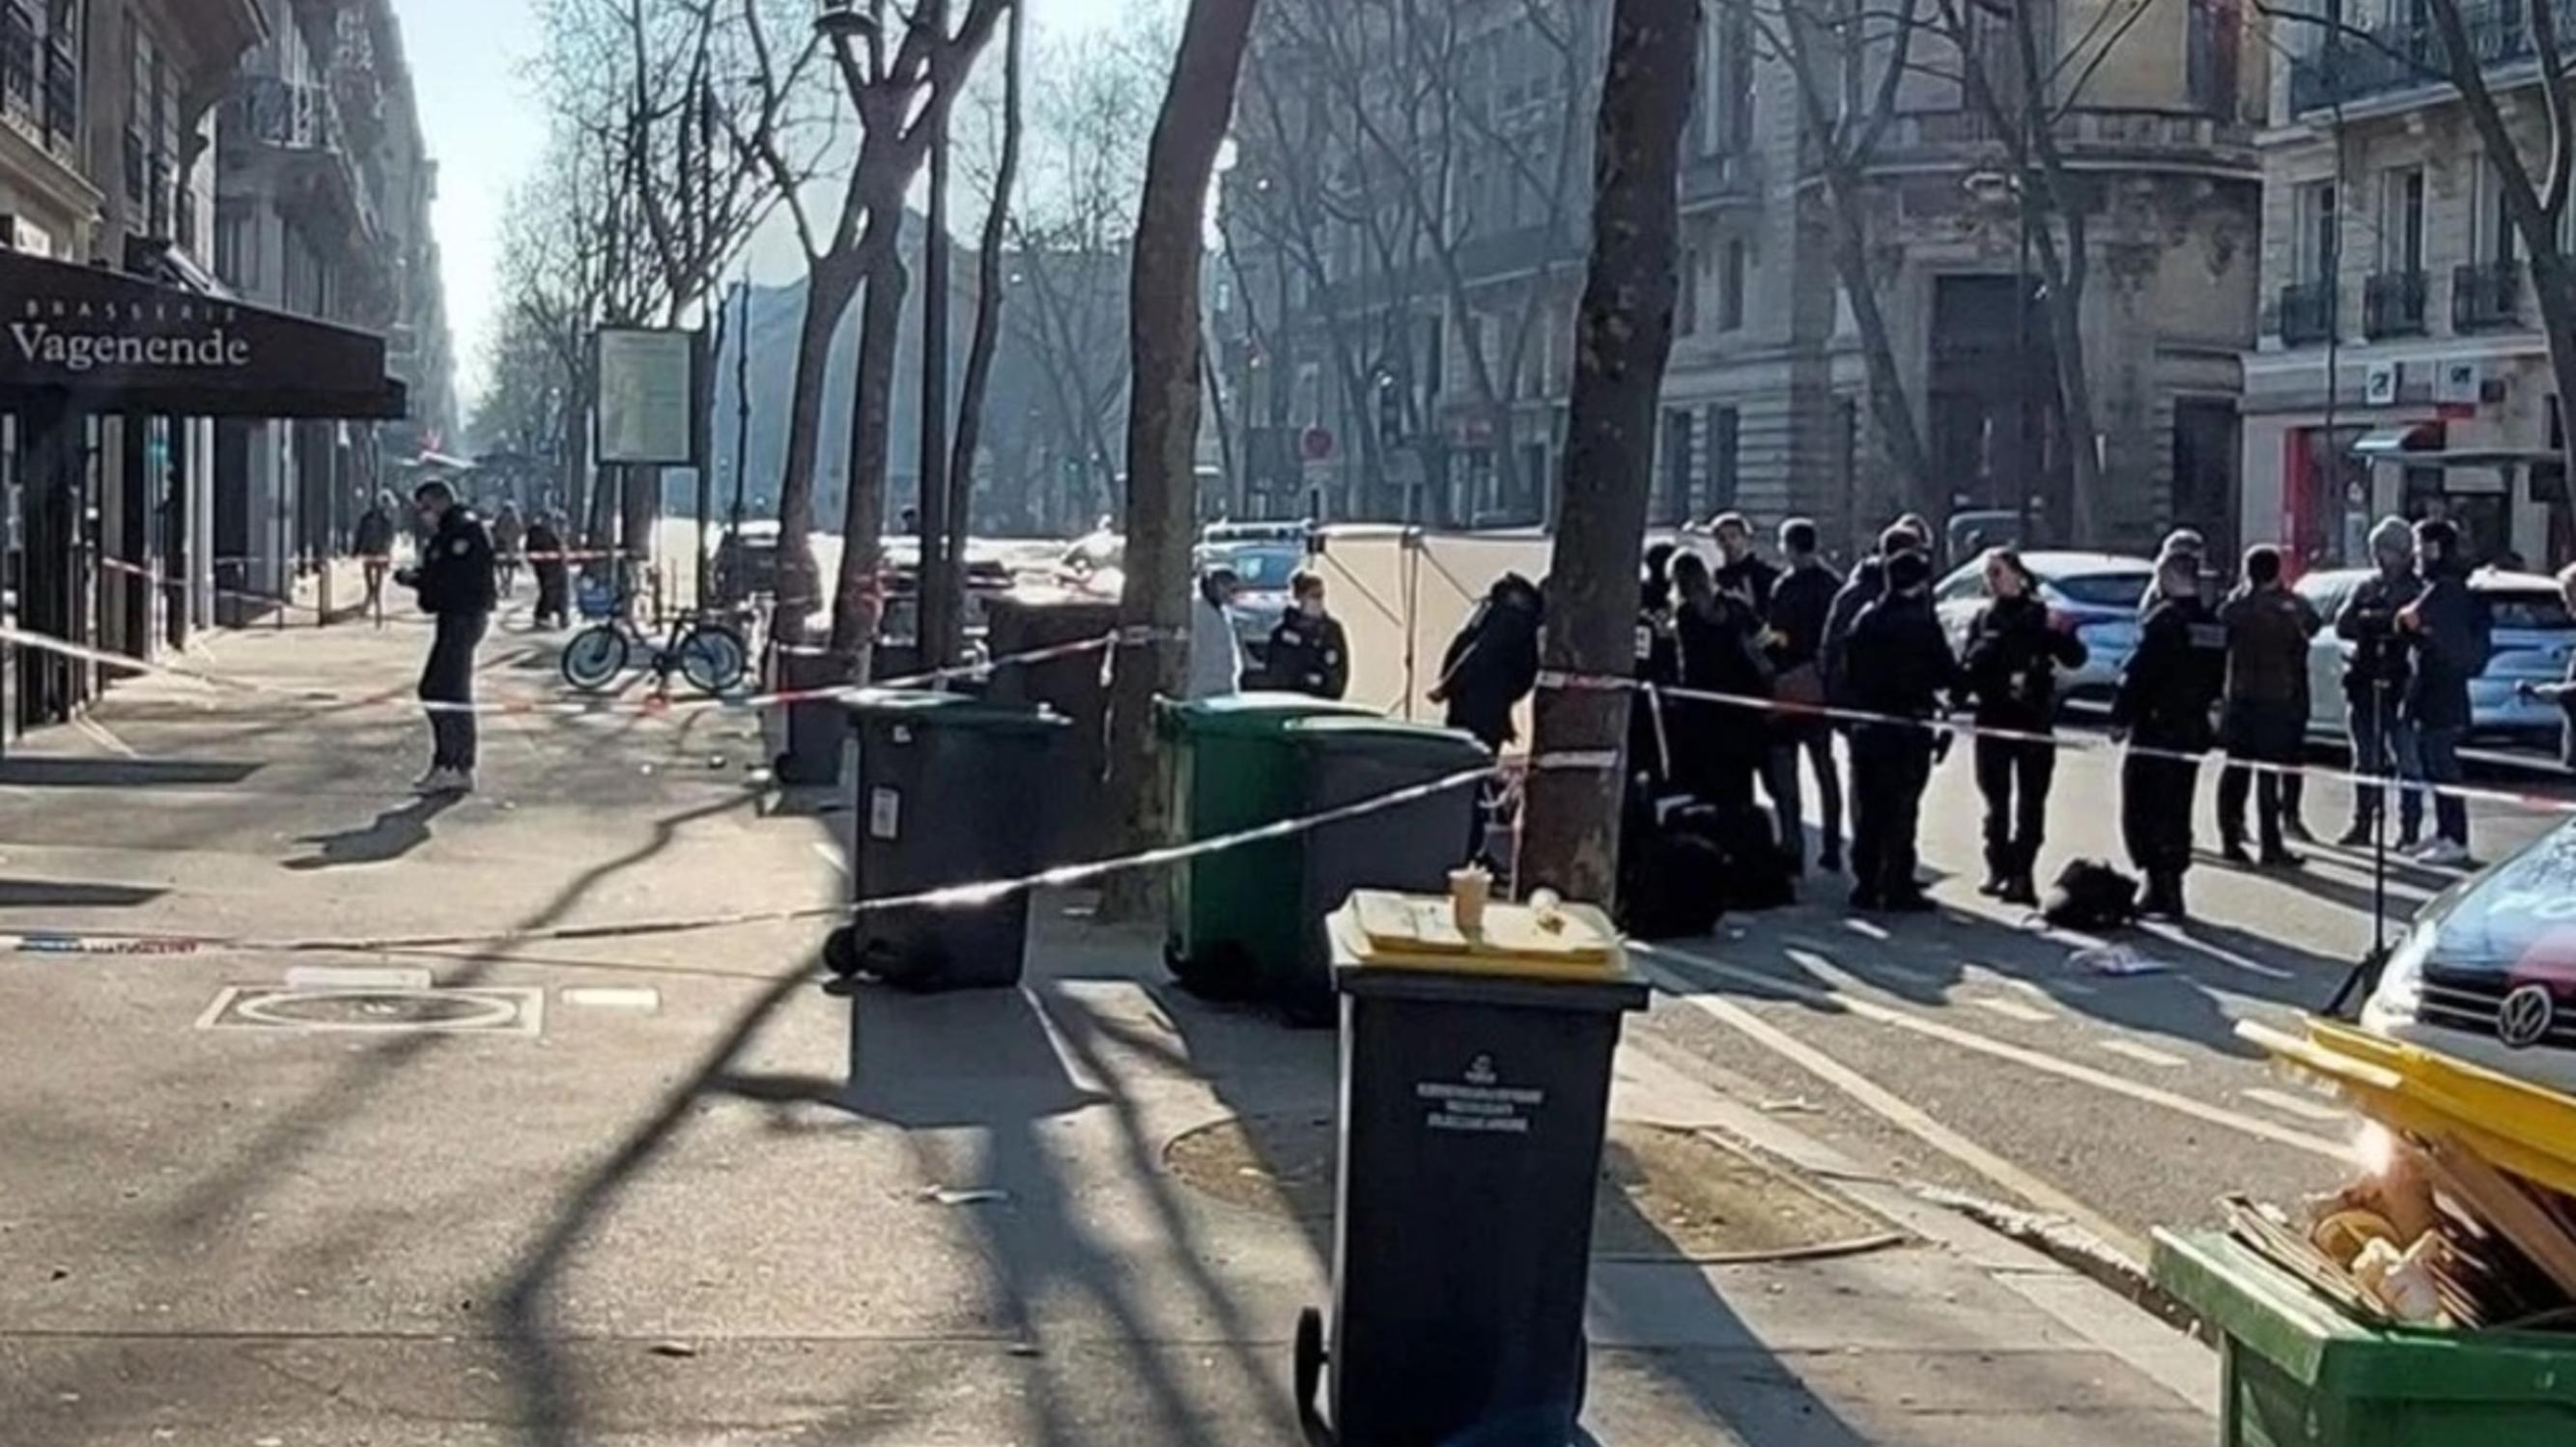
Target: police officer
column 1897, row 664
column 2266, row 716
column 2162, row 710
column 1309, row 653
column 455, row 584
column 1659, row 667
column 2013, row 653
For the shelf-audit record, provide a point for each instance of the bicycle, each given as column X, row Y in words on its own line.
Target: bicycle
column 708, row 653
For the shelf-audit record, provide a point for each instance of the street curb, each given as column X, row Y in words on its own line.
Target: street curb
column 2108, row 1319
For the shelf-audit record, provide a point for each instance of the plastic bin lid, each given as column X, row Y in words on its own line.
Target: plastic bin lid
column 1253, row 714
column 951, row 710
column 1358, row 731
column 1570, row 942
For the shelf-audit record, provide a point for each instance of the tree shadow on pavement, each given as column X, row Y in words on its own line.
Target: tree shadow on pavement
column 45, row 771
column 387, row 837
column 17, row 893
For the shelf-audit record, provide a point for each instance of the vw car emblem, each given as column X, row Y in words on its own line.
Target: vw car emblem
column 2523, row 1020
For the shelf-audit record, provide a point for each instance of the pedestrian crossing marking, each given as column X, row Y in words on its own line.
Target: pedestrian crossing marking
column 2143, row 1054
column 2014, row 1010
column 2307, row 1107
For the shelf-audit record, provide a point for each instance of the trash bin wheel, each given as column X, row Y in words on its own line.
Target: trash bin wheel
column 841, row 951
column 1221, row 976
column 1310, row 1357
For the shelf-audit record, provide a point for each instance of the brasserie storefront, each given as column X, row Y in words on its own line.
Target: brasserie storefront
column 113, row 392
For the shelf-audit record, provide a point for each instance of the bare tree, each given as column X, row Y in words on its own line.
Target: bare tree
column 1164, row 341
column 946, row 645
column 2529, row 146
column 1570, row 840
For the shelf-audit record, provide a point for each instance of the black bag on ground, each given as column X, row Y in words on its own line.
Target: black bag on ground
column 1665, row 876
column 1754, row 872
column 2090, row 895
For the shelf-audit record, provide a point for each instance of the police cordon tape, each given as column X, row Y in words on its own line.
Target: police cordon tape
column 654, row 706
column 955, row 896
column 1832, row 713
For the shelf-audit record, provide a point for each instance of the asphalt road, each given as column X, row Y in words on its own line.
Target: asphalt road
column 1964, row 1050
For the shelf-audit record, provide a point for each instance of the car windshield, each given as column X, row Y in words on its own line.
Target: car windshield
column 2111, row 589
column 2529, row 610
column 1264, row 569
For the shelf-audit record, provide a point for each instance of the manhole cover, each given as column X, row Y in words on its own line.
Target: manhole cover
column 1665, row 1193
column 480, row 1010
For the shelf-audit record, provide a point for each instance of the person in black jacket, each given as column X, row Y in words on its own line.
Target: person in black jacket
column 1309, row 653
column 2452, row 632
column 1868, row 579
column 1493, row 662
column 2162, row 711
column 2266, row 715
column 545, row 545
column 1659, row 667
column 1801, row 598
column 2014, row 651
column 1719, row 745
column 374, row 545
column 2375, row 680
column 2563, row 693
column 455, row 584
column 1741, row 570
column 1898, row 664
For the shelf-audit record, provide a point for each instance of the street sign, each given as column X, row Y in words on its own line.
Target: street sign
column 1315, row 444
column 647, row 396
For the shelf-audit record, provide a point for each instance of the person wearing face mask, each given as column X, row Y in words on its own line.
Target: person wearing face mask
column 2161, row 711
column 1898, row 667
column 1309, row 653
column 2014, row 651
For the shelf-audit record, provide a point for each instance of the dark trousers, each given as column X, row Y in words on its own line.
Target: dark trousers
column 448, row 677
column 2383, row 744
column 2439, row 748
column 551, row 588
column 2014, row 776
column 2261, row 734
column 2155, row 812
column 1815, row 744
column 1891, row 764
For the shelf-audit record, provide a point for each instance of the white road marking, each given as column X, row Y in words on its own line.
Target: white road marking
column 2227, row 957
column 1865, row 929
column 2143, row 1054
column 357, row 977
column 2307, row 1107
column 2013, row 1010
column 613, row 997
column 1842, row 995
column 1906, row 973
column 1076, row 1073
column 103, row 736
column 1896, row 1111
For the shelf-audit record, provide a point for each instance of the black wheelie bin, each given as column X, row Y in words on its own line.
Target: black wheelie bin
column 1475, row 1091
column 951, row 791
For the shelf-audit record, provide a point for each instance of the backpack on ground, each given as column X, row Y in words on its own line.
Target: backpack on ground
column 2090, row 895
column 1756, row 873
column 1665, row 874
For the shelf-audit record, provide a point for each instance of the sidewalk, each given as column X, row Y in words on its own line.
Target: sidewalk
column 685, row 1194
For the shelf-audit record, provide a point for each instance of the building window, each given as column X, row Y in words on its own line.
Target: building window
column 1677, row 465
column 2401, row 219
column 2313, row 253
column 1723, row 439
column 1686, row 305
column 1730, row 287
column 2495, row 238
column 236, row 245
column 2211, row 44
column 1726, row 102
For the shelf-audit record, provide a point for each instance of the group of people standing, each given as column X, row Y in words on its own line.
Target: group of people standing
column 1755, row 667
column 537, row 542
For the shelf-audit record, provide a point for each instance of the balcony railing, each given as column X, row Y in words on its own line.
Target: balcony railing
column 2307, row 312
column 2486, row 295
column 2392, row 304
column 2088, row 131
column 283, row 113
column 2409, row 54
column 1723, row 176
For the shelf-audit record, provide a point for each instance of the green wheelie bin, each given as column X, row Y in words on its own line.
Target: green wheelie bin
column 1235, row 767
column 1408, row 847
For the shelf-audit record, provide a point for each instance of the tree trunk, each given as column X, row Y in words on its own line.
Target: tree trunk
column 988, row 300
column 1624, row 335
column 855, row 604
column 1889, row 404
column 1163, row 340
column 936, row 575
column 829, row 285
column 2553, row 285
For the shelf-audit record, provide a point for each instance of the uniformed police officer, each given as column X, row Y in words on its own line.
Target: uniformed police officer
column 2163, row 710
column 456, row 586
column 1309, row 653
column 1897, row 667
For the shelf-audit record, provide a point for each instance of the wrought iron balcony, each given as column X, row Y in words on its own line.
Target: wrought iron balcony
column 2093, row 132
column 2486, row 295
column 2392, row 304
column 2306, row 312
column 2409, row 54
column 272, row 112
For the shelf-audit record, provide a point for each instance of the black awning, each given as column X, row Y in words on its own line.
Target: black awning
column 102, row 341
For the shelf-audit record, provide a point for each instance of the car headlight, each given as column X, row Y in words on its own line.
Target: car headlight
column 2401, row 980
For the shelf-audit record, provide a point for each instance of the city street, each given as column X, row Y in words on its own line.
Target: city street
column 661, row 1188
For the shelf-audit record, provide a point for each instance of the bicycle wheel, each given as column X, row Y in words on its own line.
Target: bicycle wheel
column 594, row 657
column 712, row 658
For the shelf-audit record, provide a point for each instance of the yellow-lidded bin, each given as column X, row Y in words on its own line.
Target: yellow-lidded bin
column 1475, row 1089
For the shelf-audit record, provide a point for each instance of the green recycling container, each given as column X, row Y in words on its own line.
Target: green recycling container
column 1409, row 848
column 2295, row 1371
column 1234, row 767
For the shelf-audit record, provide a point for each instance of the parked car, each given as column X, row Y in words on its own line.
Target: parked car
column 2533, row 635
column 2488, row 971
column 2095, row 594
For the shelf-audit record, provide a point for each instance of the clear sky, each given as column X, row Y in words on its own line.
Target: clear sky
column 484, row 130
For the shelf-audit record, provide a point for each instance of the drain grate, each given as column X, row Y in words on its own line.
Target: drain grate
column 482, row 1010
